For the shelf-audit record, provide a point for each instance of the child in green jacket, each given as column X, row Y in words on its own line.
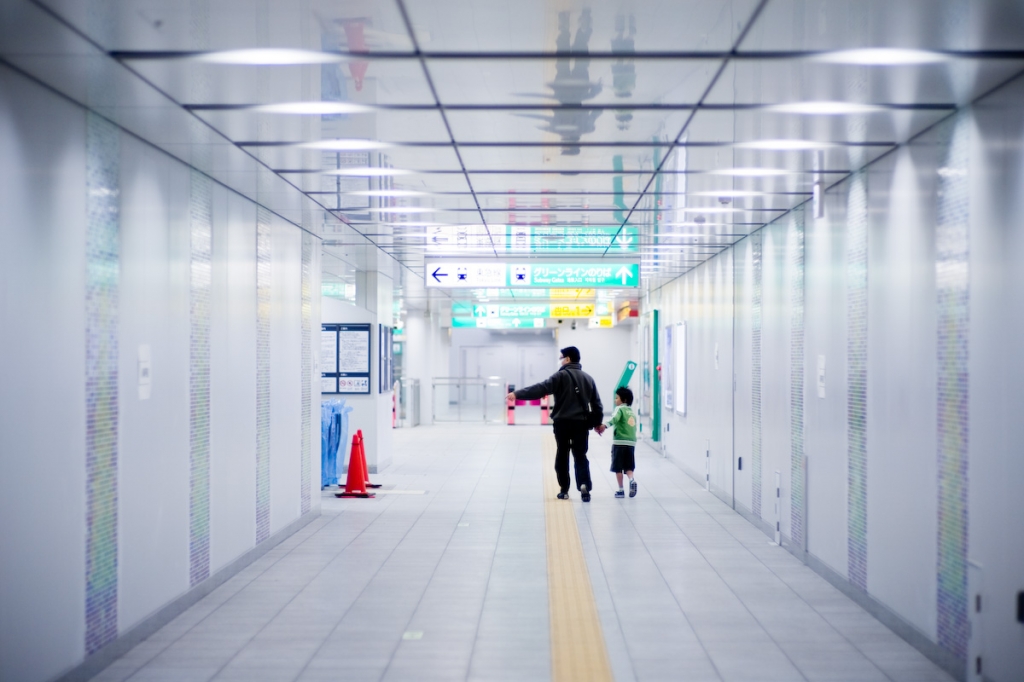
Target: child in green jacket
column 623, row 425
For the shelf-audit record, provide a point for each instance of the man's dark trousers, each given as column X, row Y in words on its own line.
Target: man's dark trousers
column 572, row 435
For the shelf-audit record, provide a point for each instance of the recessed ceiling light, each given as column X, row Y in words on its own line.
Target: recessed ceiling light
column 824, row 108
column 749, row 172
column 397, row 209
column 270, row 56
column 883, row 56
column 387, row 193
column 312, row 108
column 731, row 193
column 346, row 145
column 709, row 209
column 371, row 171
column 783, row 145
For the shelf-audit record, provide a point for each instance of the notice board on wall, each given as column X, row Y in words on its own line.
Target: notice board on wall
column 345, row 357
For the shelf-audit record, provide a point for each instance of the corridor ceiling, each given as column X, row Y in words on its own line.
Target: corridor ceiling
column 657, row 130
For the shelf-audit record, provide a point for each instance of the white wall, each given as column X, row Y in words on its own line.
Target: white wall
column 42, row 395
column 43, row 430
column 603, row 354
column 370, row 413
column 906, row 192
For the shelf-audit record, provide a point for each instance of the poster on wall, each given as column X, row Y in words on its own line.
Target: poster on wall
column 667, row 375
column 680, row 366
column 345, row 354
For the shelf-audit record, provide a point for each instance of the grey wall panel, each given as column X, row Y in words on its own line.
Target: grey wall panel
column 775, row 372
column 901, row 398
column 42, row 395
column 825, row 418
column 742, row 358
column 285, row 375
column 232, row 379
column 154, row 462
column 996, row 367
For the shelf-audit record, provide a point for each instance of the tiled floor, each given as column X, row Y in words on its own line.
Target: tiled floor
column 451, row 584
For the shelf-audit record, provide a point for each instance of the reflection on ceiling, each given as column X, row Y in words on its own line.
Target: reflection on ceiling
column 403, row 130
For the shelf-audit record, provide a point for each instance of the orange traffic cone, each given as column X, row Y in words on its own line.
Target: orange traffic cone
column 362, row 455
column 355, row 486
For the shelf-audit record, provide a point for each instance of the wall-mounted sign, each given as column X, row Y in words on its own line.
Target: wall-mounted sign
column 603, row 322
column 572, row 293
column 345, row 358
column 487, row 274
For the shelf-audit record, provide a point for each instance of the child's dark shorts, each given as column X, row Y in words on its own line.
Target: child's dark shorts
column 622, row 458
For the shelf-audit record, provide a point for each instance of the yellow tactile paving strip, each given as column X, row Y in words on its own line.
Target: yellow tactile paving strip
column 577, row 642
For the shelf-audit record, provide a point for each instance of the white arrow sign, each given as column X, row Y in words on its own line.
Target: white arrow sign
column 623, row 275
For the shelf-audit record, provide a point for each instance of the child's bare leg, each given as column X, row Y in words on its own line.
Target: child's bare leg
column 628, row 473
column 618, row 477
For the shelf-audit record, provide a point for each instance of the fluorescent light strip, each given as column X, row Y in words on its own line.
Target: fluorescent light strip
column 824, row 108
column 311, row 108
column 270, row 56
column 883, row 56
column 388, row 193
column 750, row 172
column 784, row 145
column 374, row 171
column 346, row 145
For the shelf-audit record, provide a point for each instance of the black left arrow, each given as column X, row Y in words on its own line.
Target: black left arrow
column 438, row 276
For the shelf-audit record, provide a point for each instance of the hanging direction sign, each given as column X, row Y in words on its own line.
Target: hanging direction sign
column 534, row 238
column 489, row 274
column 499, row 322
column 531, row 310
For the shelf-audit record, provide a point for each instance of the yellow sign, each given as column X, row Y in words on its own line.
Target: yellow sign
column 603, row 322
column 573, row 310
column 572, row 293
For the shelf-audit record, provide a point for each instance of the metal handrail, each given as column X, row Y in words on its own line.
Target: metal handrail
column 483, row 382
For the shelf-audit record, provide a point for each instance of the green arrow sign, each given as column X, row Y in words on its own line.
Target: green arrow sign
column 586, row 274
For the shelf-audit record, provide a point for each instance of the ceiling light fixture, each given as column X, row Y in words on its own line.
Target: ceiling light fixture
column 372, row 171
column 396, row 209
column 387, row 193
column 824, row 108
column 731, row 193
column 346, row 145
column 783, row 145
column 883, row 56
column 311, row 108
column 709, row 209
column 749, row 172
column 270, row 56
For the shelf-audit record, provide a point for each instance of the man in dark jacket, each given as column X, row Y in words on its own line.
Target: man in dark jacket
column 576, row 401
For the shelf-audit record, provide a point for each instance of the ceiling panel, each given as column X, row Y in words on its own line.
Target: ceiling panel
column 572, row 79
column 924, row 24
column 535, row 25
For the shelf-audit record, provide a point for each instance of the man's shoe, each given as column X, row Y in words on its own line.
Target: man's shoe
column 584, row 493
column 563, row 495
column 632, row 488
column 620, row 493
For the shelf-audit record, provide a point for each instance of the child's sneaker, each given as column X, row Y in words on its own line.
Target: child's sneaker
column 620, row 493
column 632, row 488
column 584, row 493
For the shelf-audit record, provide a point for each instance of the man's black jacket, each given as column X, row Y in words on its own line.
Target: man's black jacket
column 567, row 405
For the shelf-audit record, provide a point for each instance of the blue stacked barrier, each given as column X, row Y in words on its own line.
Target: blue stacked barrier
column 333, row 436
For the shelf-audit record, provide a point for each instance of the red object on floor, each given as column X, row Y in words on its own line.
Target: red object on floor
column 362, row 456
column 355, row 486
